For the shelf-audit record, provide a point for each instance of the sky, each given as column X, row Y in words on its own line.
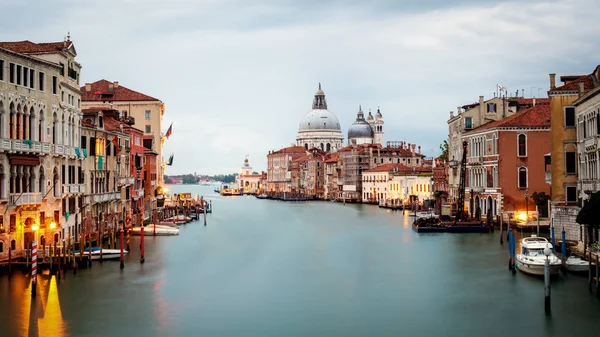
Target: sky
column 237, row 76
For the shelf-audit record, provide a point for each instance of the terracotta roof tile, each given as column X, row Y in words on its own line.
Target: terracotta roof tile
column 573, row 84
column 383, row 168
column 100, row 91
column 28, row 47
column 529, row 101
column 111, row 124
column 537, row 116
column 303, row 158
column 291, row 149
column 332, row 158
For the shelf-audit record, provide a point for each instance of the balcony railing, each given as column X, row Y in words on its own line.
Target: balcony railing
column 25, row 198
column 58, row 149
column 5, row 144
column 104, row 197
column 590, row 144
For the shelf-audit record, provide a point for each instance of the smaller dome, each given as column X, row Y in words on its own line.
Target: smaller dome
column 360, row 128
column 370, row 117
column 379, row 115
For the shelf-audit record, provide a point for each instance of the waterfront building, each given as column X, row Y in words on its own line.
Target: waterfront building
column 398, row 152
column 150, row 179
column 505, row 162
column 375, row 183
column 331, row 190
column 320, row 128
column 40, row 159
column 247, row 180
column 409, row 185
column 354, row 159
column 360, row 132
column 377, row 126
column 279, row 178
column 440, row 175
column 146, row 111
column 565, row 195
column 474, row 115
column 312, row 174
column 587, row 116
column 104, row 164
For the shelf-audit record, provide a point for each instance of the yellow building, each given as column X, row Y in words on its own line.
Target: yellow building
column 563, row 155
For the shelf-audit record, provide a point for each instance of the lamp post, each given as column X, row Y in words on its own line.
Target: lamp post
column 526, row 206
column 547, row 303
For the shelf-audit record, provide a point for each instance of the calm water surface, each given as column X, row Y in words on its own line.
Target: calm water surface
column 268, row 268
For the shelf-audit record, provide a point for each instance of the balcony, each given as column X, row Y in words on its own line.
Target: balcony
column 475, row 160
column 25, row 198
column 58, row 149
column 590, row 144
column 5, row 144
column 105, row 197
column 24, row 146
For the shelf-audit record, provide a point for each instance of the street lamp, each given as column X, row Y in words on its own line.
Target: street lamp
column 526, row 205
column 547, row 303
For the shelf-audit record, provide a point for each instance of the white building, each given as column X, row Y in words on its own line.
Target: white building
column 248, row 181
column 404, row 185
column 375, row 183
column 320, row 128
column 587, row 114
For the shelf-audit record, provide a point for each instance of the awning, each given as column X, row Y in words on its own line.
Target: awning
column 24, row 160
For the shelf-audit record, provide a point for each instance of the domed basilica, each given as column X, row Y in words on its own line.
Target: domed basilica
column 321, row 129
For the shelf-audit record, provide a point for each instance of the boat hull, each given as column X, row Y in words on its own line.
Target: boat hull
column 536, row 268
column 160, row 231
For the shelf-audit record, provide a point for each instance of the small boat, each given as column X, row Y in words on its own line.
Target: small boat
column 160, row 230
column 532, row 258
column 576, row 264
column 425, row 215
column 261, row 196
column 107, row 254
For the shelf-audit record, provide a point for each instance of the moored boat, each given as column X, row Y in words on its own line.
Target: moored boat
column 157, row 230
column 576, row 264
column 107, row 254
column 531, row 260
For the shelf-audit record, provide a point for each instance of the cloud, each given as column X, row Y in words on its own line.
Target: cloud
column 237, row 77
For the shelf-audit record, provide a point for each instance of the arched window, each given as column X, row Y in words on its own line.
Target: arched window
column 42, row 181
column 32, row 124
column 328, row 147
column 13, row 245
column 18, row 116
column 54, row 129
column 11, row 123
column 2, row 124
column 522, row 177
column 522, row 145
column 41, row 130
column 57, row 186
column 1, row 246
column 25, row 121
column 322, row 146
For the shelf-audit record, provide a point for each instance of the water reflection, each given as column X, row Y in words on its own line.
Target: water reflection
column 42, row 314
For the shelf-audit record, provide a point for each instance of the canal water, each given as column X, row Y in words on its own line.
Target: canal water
column 269, row 268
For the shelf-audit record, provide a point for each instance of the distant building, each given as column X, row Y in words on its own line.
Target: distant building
column 320, row 128
column 279, row 178
column 247, row 181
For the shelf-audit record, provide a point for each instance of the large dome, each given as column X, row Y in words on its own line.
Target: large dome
column 360, row 128
column 319, row 119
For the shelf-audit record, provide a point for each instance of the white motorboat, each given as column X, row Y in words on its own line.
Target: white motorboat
column 425, row 215
column 107, row 254
column 531, row 260
column 160, row 230
column 576, row 264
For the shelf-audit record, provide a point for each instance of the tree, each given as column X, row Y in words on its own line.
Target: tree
column 444, row 148
column 541, row 201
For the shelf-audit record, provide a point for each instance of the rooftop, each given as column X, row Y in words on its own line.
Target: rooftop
column 104, row 90
column 290, row 149
column 28, row 47
column 537, row 116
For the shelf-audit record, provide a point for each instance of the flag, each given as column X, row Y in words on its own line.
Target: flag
column 115, row 142
column 169, row 131
column 170, row 161
column 501, row 88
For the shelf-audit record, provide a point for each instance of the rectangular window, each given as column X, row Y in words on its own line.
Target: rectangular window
column 491, row 107
column 62, row 96
column 26, row 76
column 569, row 116
column 79, row 103
column 55, row 85
column 468, row 123
column 148, row 129
column 41, row 81
column 19, row 73
column 12, row 73
column 571, row 162
column 148, row 114
column 31, row 78
column 571, row 194
column 92, row 146
column 1, row 70
column 83, row 142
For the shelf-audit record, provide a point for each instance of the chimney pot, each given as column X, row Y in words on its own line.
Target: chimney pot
column 88, row 87
column 451, row 114
column 552, row 81
column 581, row 88
column 458, row 110
column 534, row 101
column 110, row 86
column 419, row 149
column 116, row 84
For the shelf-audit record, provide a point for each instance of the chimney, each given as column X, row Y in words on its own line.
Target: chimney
column 552, row 81
column 116, row 84
column 110, row 87
column 458, row 110
column 451, row 114
column 581, row 89
column 481, row 100
column 419, row 149
column 408, row 146
column 534, row 101
column 88, row 87
column 413, row 149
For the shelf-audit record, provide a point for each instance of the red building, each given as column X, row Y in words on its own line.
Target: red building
column 440, row 175
column 149, row 179
column 505, row 162
column 279, row 176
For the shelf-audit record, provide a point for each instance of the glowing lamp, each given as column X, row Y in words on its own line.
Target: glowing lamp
column 52, row 225
column 522, row 216
column 34, row 227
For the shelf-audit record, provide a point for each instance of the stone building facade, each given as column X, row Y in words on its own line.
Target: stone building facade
column 320, row 128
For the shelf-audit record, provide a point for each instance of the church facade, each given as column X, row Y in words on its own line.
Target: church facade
column 320, row 128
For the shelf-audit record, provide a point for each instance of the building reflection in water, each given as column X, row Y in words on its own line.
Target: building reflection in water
column 42, row 315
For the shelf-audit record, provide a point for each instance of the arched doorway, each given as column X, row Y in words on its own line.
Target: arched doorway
column 489, row 207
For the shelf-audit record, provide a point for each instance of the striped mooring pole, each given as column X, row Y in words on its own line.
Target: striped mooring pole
column 33, row 267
